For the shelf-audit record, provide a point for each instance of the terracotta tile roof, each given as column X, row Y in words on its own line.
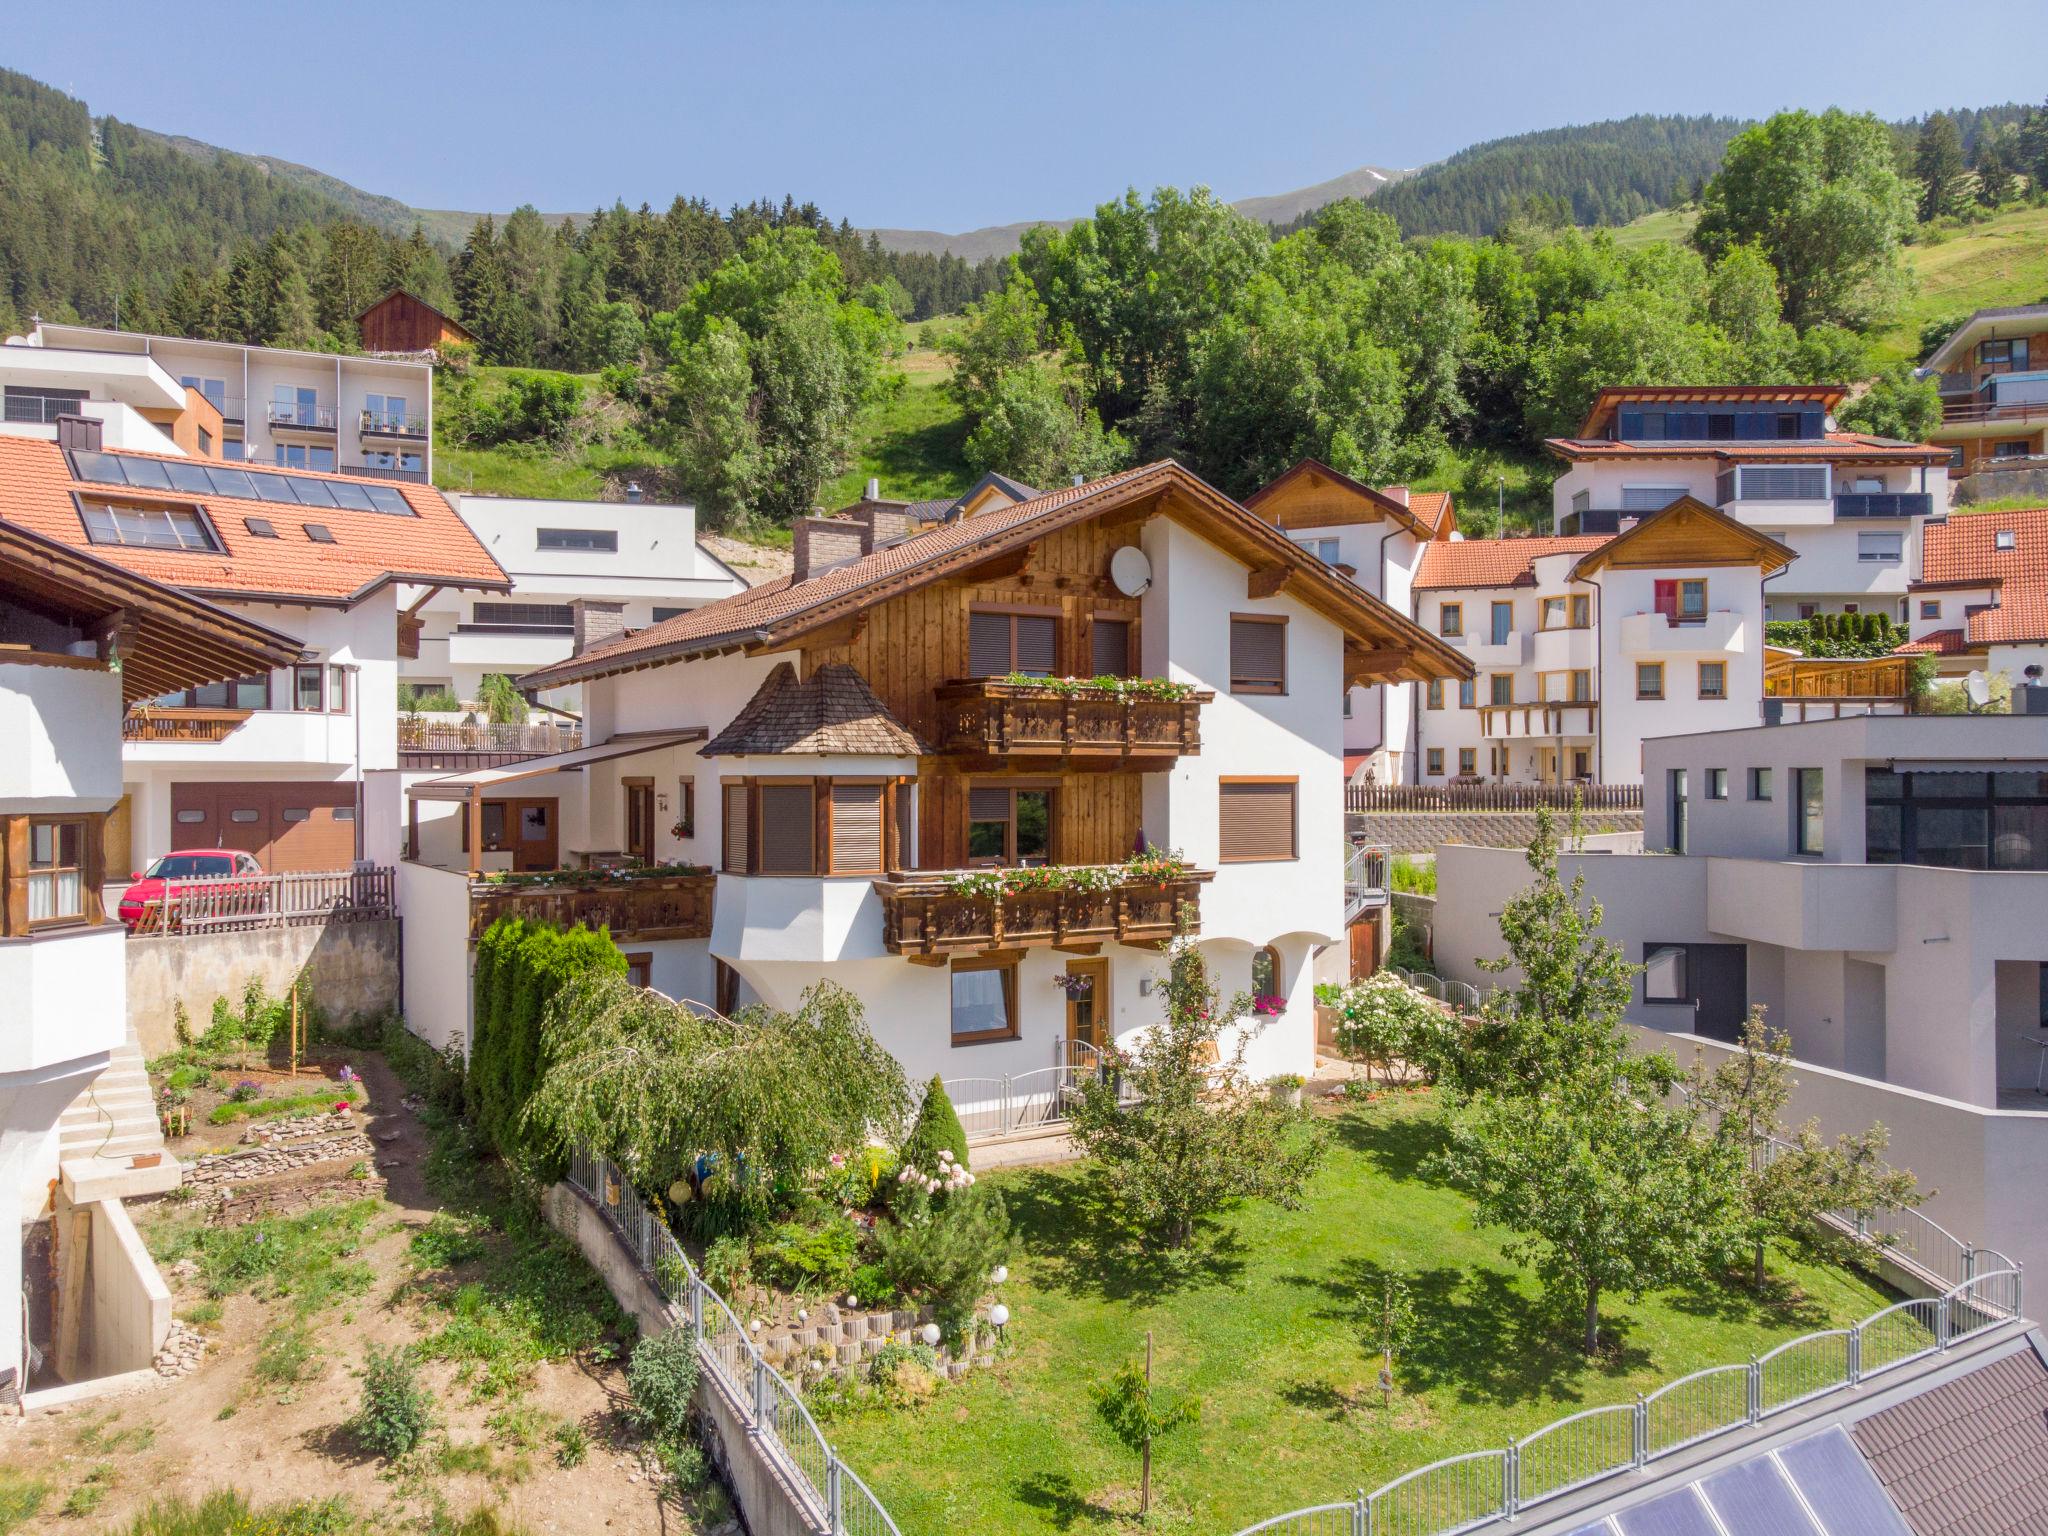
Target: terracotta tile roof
column 1836, row 447
column 831, row 711
column 2020, row 618
column 369, row 548
column 1496, row 562
column 1428, row 508
column 785, row 605
column 1941, row 642
column 1965, row 548
column 1969, row 1457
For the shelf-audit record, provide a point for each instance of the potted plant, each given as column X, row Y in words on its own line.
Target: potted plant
column 1286, row 1087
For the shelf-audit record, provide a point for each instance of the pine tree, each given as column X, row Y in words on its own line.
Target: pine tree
column 1938, row 164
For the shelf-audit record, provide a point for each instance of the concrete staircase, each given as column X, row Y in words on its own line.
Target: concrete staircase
column 110, row 1122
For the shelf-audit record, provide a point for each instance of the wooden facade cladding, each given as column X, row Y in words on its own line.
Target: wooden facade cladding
column 911, row 646
column 180, row 724
column 999, row 720
column 655, row 907
column 923, row 916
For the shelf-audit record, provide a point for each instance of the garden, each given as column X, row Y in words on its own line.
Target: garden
column 259, row 1061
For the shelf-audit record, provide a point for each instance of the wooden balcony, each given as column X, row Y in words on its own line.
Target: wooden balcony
column 180, row 724
column 456, row 748
column 990, row 718
column 664, row 906
column 1551, row 717
column 923, row 916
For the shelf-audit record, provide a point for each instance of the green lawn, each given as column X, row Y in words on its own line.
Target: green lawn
column 1486, row 482
column 910, row 438
column 1269, row 1334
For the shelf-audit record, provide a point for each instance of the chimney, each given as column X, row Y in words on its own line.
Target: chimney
column 821, row 543
column 1395, row 493
column 1079, row 479
column 886, row 521
column 83, row 433
column 874, row 490
column 595, row 621
column 632, row 490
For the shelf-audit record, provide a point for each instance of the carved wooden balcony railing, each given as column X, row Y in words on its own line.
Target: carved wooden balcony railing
column 671, row 906
column 923, row 915
column 180, row 724
column 992, row 718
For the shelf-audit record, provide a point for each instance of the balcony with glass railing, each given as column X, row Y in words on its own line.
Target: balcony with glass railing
column 24, row 409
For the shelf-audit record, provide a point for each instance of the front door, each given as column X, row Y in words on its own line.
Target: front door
column 640, row 820
column 1087, row 1009
column 523, row 828
column 1719, row 974
column 1365, row 944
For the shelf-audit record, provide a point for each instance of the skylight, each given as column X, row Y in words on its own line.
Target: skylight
column 318, row 533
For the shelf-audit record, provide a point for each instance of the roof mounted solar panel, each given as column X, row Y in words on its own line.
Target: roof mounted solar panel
column 1676, row 1514
column 1752, row 1498
column 1840, row 1487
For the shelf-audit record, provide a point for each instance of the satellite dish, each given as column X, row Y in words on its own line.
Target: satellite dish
column 1130, row 570
column 1978, row 690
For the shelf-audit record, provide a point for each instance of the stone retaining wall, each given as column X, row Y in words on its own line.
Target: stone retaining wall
column 215, row 1175
column 352, row 968
column 1422, row 831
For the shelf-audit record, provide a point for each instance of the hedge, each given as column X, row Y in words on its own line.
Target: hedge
column 520, row 966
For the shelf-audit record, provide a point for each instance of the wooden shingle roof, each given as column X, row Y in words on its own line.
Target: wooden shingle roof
column 832, row 712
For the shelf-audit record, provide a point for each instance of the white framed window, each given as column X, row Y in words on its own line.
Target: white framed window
column 1325, row 550
column 1782, row 482
column 1882, row 548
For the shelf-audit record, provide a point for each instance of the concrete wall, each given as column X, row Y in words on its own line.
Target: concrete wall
column 1422, row 831
column 352, row 968
column 65, row 724
column 435, row 937
column 131, row 1306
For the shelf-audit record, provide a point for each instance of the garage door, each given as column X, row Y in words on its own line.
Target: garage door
column 287, row 826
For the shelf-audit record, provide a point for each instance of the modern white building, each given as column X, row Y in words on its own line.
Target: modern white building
column 1849, row 504
column 1880, row 885
column 1981, row 601
column 806, row 781
column 80, row 637
column 631, row 563
column 323, row 411
column 296, row 764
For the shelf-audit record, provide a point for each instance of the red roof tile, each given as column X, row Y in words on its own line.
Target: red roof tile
column 1428, row 508
column 1965, row 548
column 369, row 548
column 2020, row 618
column 1496, row 562
column 1942, row 642
column 1836, row 447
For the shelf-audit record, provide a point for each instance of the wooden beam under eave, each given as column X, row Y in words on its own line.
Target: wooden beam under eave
column 1268, row 581
column 1001, row 568
column 1079, row 949
column 935, row 962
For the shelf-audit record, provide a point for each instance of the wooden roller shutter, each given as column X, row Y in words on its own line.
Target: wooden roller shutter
column 856, row 829
column 1258, row 656
column 988, row 644
column 787, row 830
column 1037, row 645
column 1256, row 820
column 1110, row 640
column 736, row 828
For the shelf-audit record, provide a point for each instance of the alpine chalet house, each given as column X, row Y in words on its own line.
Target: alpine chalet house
column 875, row 772
column 295, row 764
column 1993, row 376
column 1377, row 538
column 1849, row 504
column 80, row 637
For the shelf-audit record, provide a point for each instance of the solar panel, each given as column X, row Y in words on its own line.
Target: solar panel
column 242, row 484
column 1676, row 1514
column 1597, row 1528
column 1752, row 1498
column 1840, row 1487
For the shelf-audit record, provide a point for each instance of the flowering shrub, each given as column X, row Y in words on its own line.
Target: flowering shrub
column 243, row 1091
column 1270, row 1004
column 1110, row 687
column 1382, row 1018
column 949, row 1177
column 1152, row 867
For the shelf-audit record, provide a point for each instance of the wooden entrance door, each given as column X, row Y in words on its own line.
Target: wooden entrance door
column 524, row 828
column 1365, row 945
column 640, row 820
column 1088, row 1011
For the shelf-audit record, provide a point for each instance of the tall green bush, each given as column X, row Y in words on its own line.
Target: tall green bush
column 520, row 966
column 938, row 1127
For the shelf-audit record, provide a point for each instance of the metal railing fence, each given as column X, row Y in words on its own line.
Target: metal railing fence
column 1016, row 1102
column 1459, row 994
column 1462, row 1492
column 294, row 899
column 843, row 1504
column 1365, row 798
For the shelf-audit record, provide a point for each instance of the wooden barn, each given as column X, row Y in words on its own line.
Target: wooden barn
column 401, row 322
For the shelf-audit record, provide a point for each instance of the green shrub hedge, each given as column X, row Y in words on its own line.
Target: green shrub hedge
column 520, row 966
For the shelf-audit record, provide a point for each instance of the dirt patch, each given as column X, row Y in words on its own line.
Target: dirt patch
column 752, row 563
column 239, row 1420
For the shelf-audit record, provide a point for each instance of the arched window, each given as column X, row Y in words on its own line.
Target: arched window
column 1265, row 972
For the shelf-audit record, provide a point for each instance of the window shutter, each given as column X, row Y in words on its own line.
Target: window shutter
column 988, row 644
column 1667, row 600
column 787, row 829
column 1258, row 654
column 988, row 805
column 1256, row 821
column 736, row 829
column 856, row 828
column 1036, row 645
column 1111, row 639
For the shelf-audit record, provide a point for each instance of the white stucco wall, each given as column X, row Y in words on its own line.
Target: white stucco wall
column 62, row 727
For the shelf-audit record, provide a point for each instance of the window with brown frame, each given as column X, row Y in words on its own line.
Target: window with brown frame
column 1433, row 694
column 337, row 690
column 1450, row 619
column 1258, row 653
column 309, row 690
column 806, row 827
column 686, row 807
column 1649, row 679
column 1582, row 610
column 786, row 824
column 1009, row 825
column 1434, row 757
column 984, row 999
column 1256, row 820
column 56, row 871
column 1265, row 971
column 1005, row 640
column 1109, row 640
column 252, row 692
column 1468, row 762
column 856, row 813
column 1501, row 687
column 1713, row 679
column 639, row 819
column 738, row 824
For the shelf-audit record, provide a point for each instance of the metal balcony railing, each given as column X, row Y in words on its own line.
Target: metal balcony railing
column 38, row 409
column 307, row 418
column 1884, row 504
column 391, row 424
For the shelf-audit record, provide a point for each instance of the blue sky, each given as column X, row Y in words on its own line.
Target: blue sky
column 949, row 116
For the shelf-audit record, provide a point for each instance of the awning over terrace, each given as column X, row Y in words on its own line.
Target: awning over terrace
column 471, row 789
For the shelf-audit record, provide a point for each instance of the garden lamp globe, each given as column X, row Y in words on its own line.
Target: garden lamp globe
column 999, row 1274
column 930, row 1334
column 999, row 1315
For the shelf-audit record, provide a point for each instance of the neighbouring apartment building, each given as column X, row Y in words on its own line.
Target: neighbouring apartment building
column 1850, row 505
column 1880, row 885
column 81, row 637
column 321, row 411
column 1981, row 600
column 632, row 563
column 295, row 764
column 824, row 777
column 1993, row 376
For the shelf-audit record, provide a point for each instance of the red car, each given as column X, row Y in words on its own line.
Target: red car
column 225, row 865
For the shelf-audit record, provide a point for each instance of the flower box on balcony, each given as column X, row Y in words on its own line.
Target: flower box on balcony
column 662, row 902
column 967, row 911
column 1071, row 717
